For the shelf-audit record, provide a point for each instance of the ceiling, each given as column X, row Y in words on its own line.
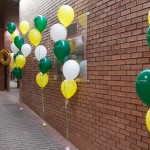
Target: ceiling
column 5, row 5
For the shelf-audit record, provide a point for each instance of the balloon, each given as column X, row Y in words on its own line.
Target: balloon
column 14, row 49
column 19, row 41
column 82, row 19
column 26, row 49
column 15, row 55
column 11, row 27
column 68, row 88
column 35, row 37
column 58, row 32
column 148, row 40
column 42, row 79
column 17, row 72
column 62, row 50
column 20, row 61
column 83, row 68
column 40, row 23
column 148, row 36
column 149, row 17
column 40, row 52
column 24, row 27
column 72, row 45
column 143, row 86
column 12, row 58
column 147, row 119
column 12, row 65
column 14, row 35
column 66, row 15
column 71, row 69
column 45, row 65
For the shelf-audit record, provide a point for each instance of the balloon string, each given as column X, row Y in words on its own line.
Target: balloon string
column 66, row 106
column 42, row 112
column 20, row 93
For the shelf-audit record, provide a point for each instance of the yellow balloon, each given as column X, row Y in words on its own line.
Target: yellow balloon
column 12, row 65
column 72, row 45
column 82, row 19
column 20, row 61
column 149, row 17
column 68, row 88
column 66, row 15
column 24, row 27
column 35, row 37
column 42, row 79
column 15, row 33
column 148, row 120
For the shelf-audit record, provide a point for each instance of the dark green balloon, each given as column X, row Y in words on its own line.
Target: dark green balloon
column 19, row 41
column 148, row 31
column 148, row 40
column 62, row 50
column 15, row 55
column 45, row 64
column 17, row 72
column 11, row 27
column 40, row 23
column 143, row 86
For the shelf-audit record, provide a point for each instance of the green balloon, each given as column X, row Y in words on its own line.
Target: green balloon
column 148, row 31
column 19, row 41
column 15, row 55
column 148, row 40
column 62, row 50
column 11, row 27
column 40, row 23
column 45, row 64
column 143, row 86
column 17, row 72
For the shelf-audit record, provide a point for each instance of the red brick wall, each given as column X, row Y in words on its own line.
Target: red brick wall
column 105, row 113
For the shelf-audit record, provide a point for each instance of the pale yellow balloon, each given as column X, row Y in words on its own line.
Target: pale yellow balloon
column 66, row 15
column 149, row 18
column 12, row 65
column 24, row 27
column 42, row 79
column 82, row 19
column 148, row 120
column 15, row 33
column 68, row 88
column 35, row 37
column 20, row 61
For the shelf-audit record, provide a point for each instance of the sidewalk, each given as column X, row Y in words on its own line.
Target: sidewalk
column 23, row 130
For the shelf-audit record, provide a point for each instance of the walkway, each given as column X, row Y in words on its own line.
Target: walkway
column 22, row 130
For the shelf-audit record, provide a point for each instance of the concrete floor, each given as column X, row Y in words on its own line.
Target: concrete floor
column 23, row 130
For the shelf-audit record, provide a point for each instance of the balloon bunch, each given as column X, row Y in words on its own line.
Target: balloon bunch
column 45, row 63
column 62, row 51
column 19, row 49
column 143, row 82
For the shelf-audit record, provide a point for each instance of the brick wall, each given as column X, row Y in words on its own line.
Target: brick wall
column 105, row 113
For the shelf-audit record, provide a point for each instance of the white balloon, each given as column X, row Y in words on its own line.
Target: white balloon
column 71, row 69
column 14, row 49
column 40, row 52
column 12, row 58
column 83, row 68
column 26, row 49
column 58, row 32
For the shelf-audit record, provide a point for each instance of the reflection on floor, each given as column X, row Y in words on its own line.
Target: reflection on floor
column 13, row 84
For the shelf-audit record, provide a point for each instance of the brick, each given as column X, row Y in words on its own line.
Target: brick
column 116, row 52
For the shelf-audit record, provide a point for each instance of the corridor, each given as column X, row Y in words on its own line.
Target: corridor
column 22, row 130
